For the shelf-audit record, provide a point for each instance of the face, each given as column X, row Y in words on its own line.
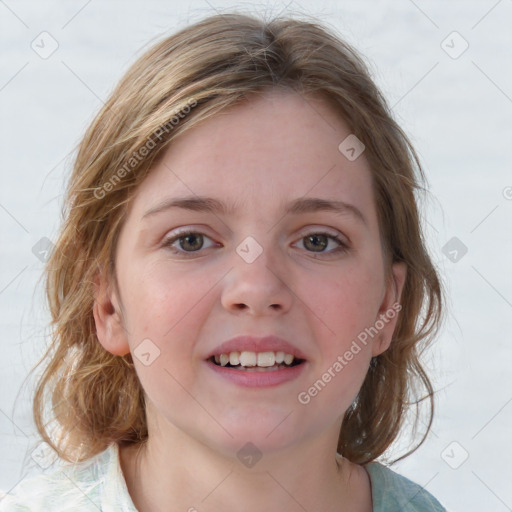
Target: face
column 194, row 276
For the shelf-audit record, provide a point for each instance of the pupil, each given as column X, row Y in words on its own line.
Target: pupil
column 193, row 237
column 316, row 238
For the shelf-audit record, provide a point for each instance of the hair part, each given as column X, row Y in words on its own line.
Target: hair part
column 96, row 398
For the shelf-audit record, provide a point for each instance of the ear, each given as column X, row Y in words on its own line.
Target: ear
column 389, row 309
column 110, row 330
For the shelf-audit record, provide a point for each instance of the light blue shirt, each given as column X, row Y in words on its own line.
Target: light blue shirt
column 392, row 492
column 98, row 485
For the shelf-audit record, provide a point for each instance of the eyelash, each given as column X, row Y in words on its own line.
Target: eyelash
column 342, row 248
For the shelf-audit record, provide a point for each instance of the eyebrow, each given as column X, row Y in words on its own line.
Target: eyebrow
column 296, row 207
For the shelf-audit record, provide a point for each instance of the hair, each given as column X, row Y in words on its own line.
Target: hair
column 94, row 398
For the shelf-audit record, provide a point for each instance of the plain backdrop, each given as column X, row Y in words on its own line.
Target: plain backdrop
column 444, row 68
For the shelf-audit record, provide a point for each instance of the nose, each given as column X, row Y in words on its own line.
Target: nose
column 259, row 287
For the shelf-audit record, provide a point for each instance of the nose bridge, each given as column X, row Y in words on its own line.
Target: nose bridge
column 257, row 280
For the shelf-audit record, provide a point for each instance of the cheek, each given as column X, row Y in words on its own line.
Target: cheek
column 168, row 308
column 162, row 299
column 345, row 303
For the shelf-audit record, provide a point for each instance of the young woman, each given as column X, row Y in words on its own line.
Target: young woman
column 237, row 287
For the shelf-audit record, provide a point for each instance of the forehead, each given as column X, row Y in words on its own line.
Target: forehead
column 261, row 154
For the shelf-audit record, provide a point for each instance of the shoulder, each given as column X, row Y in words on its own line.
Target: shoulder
column 391, row 492
column 94, row 485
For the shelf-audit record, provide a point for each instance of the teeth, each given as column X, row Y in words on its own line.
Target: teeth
column 279, row 357
column 258, row 360
column 248, row 359
column 288, row 359
column 266, row 359
column 234, row 358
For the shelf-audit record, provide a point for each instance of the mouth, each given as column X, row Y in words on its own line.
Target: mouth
column 256, row 363
column 247, row 361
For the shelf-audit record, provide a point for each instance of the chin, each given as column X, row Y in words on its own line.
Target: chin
column 260, row 431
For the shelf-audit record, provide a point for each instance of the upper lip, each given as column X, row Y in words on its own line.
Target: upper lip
column 255, row 344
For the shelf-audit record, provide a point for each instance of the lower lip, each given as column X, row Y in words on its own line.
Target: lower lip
column 252, row 379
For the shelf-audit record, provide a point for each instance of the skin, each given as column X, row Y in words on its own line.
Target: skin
column 257, row 156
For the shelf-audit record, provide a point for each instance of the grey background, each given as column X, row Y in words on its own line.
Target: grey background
column 458, row 112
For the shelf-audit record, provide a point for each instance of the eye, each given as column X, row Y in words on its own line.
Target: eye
column 188, row 242
column 318, row 241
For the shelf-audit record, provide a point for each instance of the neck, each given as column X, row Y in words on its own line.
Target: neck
column 182, row 474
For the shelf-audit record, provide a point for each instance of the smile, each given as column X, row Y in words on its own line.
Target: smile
column 256, row 361
column 257, row 369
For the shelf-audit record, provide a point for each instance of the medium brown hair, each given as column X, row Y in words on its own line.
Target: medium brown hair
column 94, row 398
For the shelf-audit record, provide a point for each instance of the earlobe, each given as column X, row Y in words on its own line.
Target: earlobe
column 107, row 317
column 390, row 308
